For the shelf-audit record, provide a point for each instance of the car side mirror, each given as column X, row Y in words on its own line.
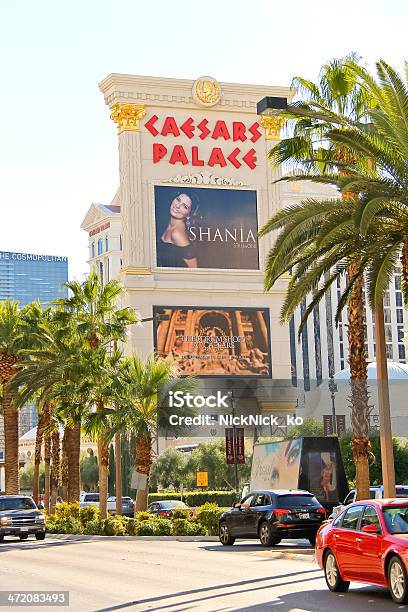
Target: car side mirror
column 237, row 505
column 370, row 528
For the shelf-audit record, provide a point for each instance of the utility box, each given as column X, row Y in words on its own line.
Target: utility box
column 313, row 464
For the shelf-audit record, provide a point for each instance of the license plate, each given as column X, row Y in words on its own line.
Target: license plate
column 304, row 515
column 23, row 529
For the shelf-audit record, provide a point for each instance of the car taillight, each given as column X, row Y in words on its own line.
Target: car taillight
column 321, row 511
column 164, row 513
column 281, row 512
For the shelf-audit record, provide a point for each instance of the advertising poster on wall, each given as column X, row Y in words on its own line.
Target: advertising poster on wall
column 322, row 468
column 276, row 465
column 206, row 228
column 207, row 341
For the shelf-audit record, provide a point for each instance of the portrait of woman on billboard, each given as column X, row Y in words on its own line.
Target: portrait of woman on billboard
column 212, row 228
column 174, row 249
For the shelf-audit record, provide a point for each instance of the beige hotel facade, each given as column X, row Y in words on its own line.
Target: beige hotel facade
column 200, row 141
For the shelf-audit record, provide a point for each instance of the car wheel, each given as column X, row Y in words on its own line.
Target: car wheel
column 224, row 535
column 266, row 535
column 24, row 537
column 40, row 536
column 1, row 538
column 332, row 574
column 397, row 580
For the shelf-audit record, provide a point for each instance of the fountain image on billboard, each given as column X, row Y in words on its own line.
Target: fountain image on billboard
column 208, row 341
column 205, row 227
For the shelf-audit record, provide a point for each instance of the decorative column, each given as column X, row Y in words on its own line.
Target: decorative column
column 128, row 117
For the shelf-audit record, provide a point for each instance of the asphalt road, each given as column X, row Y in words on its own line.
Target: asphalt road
column 115, row 575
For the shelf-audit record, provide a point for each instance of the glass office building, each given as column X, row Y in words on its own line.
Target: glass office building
column 26, row 277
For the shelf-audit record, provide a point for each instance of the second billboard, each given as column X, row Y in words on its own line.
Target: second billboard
column 207, row 341
column 206, row 228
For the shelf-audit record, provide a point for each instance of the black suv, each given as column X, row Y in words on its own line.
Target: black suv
column 271, row 516
column 19, row 516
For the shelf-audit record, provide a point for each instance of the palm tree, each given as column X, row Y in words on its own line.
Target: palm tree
column 339, row 100
column 14, row 336
column 92, row 306
column 142, row 408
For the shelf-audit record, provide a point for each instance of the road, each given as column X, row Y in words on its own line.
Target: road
column 115, row 575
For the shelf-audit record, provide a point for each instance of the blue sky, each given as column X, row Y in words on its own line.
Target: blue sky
column 58, row 147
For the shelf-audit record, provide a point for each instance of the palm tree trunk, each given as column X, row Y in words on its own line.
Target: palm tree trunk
column 404, row 263
column 103, row 467
column 11, row 431
column 37, row 453
column 55, row 468
column 358, row 382
column 64, row 464
column 118, row 473
column 143, row 464
column 74, row 448
column 47, row 460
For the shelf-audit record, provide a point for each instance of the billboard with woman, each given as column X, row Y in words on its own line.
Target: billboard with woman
column 204, row 227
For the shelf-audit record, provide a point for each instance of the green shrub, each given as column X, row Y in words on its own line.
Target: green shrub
column 181, row 513
column 143, row 516
column 94, row 527
column 88, row 514
column 181, row 527
column 51, row 527
column 66, row 511
column 132, row 527
column 208, row 515
column 146, row 528
column 162, row 527
column 114, row 525
column 198, row 498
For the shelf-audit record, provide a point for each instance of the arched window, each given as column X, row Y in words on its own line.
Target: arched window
column 106, row 244
column 93, row 250
column 100, row 246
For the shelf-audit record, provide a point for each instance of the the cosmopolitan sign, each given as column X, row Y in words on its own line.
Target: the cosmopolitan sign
column 8, row 255
column 235, row 134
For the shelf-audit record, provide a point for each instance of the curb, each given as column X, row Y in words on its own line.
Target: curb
column 81, row 537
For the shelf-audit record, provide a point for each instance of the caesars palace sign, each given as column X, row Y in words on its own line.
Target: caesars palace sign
column 234, row 132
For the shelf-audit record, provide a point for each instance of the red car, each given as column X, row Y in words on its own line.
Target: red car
column 367, row 542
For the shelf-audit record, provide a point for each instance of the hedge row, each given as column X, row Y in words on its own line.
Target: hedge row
column 198, row 498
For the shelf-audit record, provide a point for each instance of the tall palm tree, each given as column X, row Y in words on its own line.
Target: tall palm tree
column 339, row 100
column 14, row 337
column 142, row 407
column 93, row 307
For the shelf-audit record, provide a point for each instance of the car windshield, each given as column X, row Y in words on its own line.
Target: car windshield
column 17, row 503
column 396, row 518
column 402, row 491
column 294, row 501
column 172, row 504
column 92, row 498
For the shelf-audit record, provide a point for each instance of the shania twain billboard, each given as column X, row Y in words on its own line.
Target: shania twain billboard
column 207, row 341
column 204, row 227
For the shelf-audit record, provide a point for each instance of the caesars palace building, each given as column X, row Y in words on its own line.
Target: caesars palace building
column 195, row 186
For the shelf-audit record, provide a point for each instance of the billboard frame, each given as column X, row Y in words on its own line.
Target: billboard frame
column 187, row 185
column 265, row 309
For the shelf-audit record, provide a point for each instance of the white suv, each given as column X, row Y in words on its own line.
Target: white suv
column 375, row 493
column 89, row 499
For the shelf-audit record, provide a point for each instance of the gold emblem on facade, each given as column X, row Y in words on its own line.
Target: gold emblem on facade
column 127, row 116
column 273, row 126
column 206, row 91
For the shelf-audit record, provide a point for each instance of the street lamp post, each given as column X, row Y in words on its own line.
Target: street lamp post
column 333, row 391
column 234, row 439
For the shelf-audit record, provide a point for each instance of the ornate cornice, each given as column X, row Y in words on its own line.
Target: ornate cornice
column 127, row 116
column 273, row 126
column 205, row 178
